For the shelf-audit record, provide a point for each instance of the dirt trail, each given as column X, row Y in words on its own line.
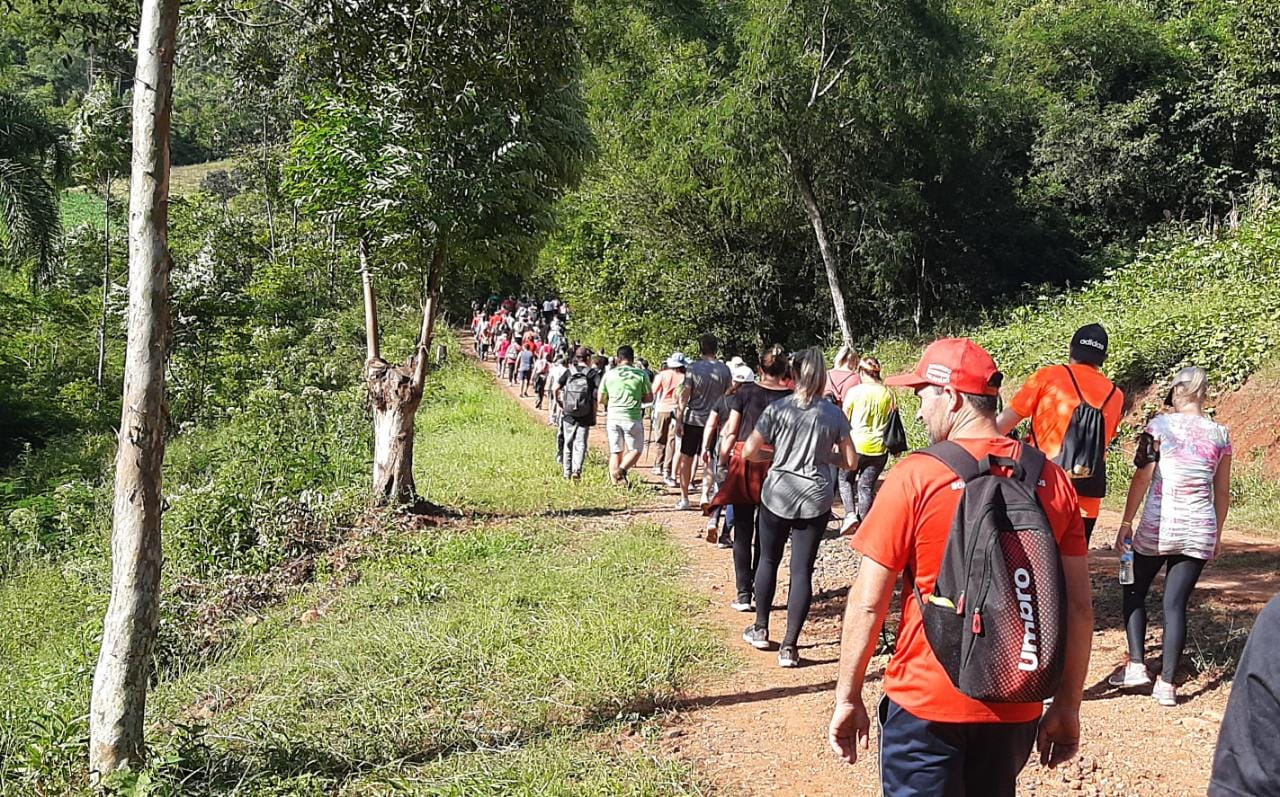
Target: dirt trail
column 761, row 729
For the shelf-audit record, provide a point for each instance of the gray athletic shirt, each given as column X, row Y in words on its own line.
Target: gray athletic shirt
column 803, row 438
column 707, row 380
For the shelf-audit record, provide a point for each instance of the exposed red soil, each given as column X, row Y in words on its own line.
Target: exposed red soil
column 761, row 730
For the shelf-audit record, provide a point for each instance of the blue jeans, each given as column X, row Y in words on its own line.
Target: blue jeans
column 920, row 758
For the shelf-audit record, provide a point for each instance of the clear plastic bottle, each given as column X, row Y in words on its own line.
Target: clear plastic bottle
column 1126, row 562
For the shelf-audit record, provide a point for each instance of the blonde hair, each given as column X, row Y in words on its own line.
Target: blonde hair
column 846, row 358
column 809, row 370
column 1190, row 385
column 870, row 366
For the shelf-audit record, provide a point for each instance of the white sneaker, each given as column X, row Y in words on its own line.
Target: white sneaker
column 669, row 481
column 1165, row 693
column 657, row 470
column 1132, row 676
column 682, row 504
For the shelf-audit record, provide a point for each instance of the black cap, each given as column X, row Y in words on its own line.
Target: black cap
column 1089, row 344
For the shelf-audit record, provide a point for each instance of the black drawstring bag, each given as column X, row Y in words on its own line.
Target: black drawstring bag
column 895, row 434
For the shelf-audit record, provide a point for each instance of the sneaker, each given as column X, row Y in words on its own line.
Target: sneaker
column 788, row 656
column 668, row 481
column 756, row 637
column 657, row 470
column 1133, row 675
column 849, row 525
column 682, row 504
column 1165, row 693
column 725, row 541
column 743, row 603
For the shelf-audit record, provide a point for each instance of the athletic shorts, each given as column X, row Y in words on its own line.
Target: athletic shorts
column 625, row 434
column 919, row 757
column 691, row 441
column 524, row 375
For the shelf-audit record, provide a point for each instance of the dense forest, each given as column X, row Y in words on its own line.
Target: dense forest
column 800, row 171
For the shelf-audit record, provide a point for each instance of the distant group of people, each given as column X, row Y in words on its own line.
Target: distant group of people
column 989, row 533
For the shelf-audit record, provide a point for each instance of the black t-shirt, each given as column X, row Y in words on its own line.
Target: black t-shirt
column 1247, row 761
column 593, row 378
column 750, row 401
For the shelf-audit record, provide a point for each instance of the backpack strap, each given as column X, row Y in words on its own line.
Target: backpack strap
column 954, row 456
column 1076, row 385
column 1031, row 460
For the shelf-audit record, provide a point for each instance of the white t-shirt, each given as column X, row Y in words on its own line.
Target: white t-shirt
column 553, row 378
column 1179, row 517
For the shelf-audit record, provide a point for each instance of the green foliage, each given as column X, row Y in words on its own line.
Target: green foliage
column 32, row 157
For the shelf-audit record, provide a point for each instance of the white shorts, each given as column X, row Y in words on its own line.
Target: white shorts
column 625, row 434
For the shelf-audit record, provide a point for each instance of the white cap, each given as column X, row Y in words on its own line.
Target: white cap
column 742, row 373
column 677, row 360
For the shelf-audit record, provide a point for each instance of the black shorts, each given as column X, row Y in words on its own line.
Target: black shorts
column 691, row 441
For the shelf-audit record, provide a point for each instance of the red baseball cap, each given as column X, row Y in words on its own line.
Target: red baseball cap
column 958, row 362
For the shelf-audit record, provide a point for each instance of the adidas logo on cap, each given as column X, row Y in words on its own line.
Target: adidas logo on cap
column 1093, row 344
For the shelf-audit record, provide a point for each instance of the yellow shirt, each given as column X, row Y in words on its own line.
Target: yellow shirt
column 868, row 406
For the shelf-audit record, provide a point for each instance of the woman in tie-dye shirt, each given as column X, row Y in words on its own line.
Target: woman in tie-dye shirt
column 1184, row 458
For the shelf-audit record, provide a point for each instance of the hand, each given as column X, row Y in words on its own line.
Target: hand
column 1059, row 737
column 706, row 458
column 679, row 428
column 1124, row 537
column 850, row 726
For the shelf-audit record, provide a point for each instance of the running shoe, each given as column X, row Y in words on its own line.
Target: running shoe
column 657, row 470
column 788, row 656
column 668, row 481
column 743, row 603
column 725, row 541
column 1133, row 675
column 1165, row 693
column 849, row 525
column 756, row 637
column 682, row 504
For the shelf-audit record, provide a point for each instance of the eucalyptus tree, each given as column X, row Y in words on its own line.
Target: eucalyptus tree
column 445, row 134
column 33, row 158
column 118, row 706
column 843, row 93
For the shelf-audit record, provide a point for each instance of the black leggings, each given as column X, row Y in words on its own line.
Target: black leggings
column 1179, row 581
column 746, row 548
column 805, row 534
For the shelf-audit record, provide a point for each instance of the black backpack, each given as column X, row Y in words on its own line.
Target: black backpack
column 1084, row 445
column 997, row 616
column 578, row 399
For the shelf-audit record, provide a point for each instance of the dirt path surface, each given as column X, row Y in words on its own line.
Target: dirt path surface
column 761, row 729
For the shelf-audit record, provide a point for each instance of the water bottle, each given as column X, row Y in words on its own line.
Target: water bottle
column 1126, row 562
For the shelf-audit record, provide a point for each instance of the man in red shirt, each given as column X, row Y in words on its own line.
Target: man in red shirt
column 935, row 740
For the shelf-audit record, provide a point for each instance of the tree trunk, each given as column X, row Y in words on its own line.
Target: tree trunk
column 106, row 282
column 268, row 189
column 370, row 303
column 395, row 401
column 118, row 705
column 430, row 309
column 811, row 209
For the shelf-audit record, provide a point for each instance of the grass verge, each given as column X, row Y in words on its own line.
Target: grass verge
column 500, row 653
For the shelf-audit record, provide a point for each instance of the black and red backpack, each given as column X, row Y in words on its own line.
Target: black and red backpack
column 997, row 616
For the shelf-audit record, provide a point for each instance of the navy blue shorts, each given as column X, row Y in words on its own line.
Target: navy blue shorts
column 919, row 758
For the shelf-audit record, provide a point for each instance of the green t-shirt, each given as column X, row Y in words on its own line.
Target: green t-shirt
column 625, row 388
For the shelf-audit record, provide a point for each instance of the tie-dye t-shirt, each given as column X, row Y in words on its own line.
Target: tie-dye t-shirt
column 1179, row 516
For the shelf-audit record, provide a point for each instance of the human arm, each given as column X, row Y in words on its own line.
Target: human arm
column 865, row 611
column 848, row 454
column 729, row 435
column 1221, row 495
column 1137, row 491
column 1007, row 420
column 1058, row 739
column 709, row 434
column 757, row 449
column 682, row 402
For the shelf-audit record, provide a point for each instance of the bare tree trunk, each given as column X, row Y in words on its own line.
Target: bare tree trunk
column 395, row 401
column 805, row 187
column 430, row 309
column 106, row 282
column 268, row 189
column 370, row 303
column 118, row 706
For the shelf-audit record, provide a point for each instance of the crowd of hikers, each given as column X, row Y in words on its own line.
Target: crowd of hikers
column 988, row 529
